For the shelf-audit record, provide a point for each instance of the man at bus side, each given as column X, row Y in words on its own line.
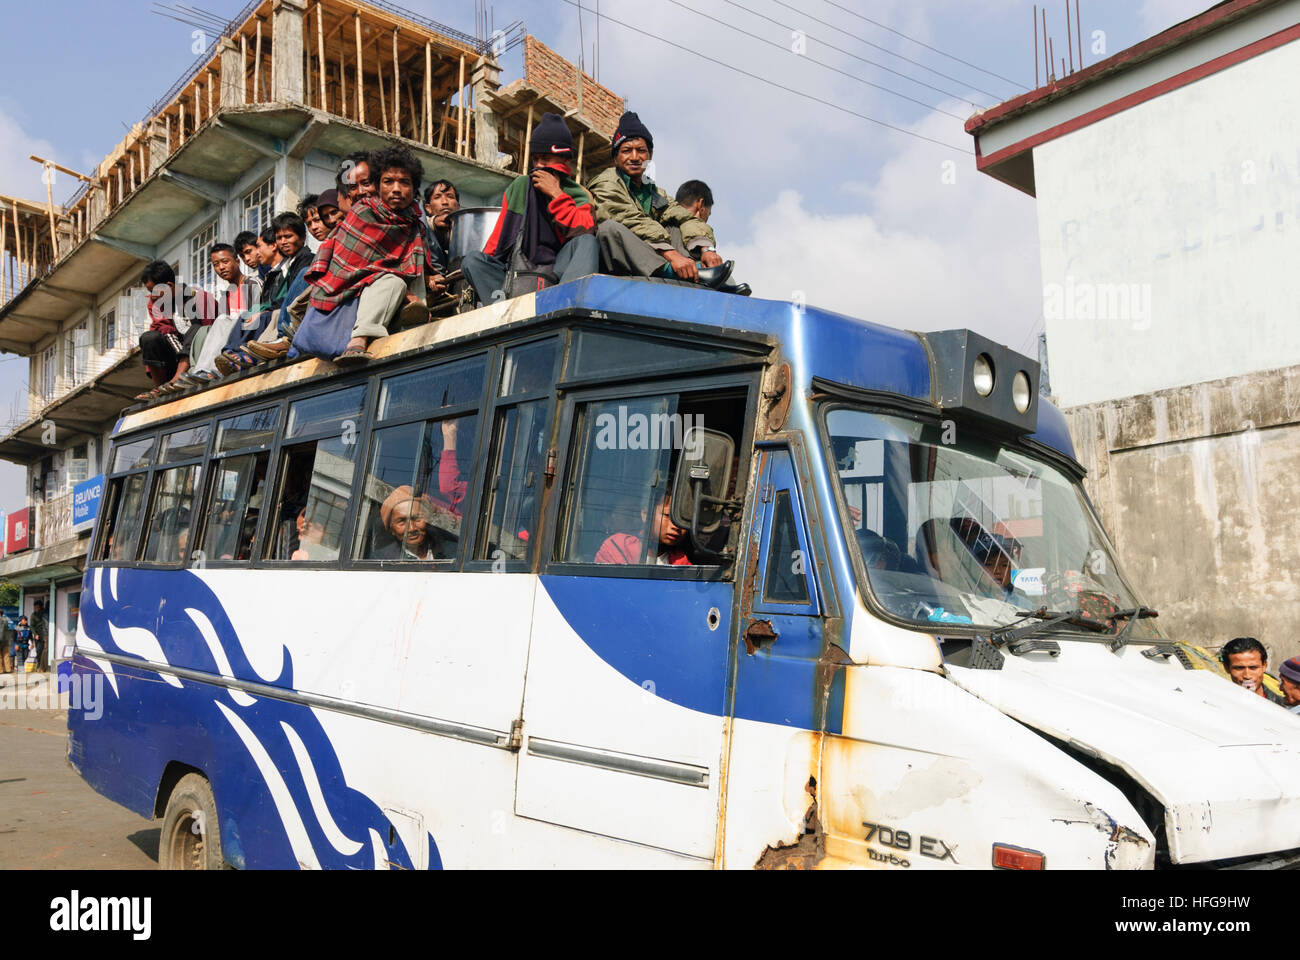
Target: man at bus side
column 6, row 645
column 641, row 232
column 378, row 255
column 1288, row 674
column 1245, row 659
column 355, row 179
column 695, row 196
column 164, row 352
column 546, row 212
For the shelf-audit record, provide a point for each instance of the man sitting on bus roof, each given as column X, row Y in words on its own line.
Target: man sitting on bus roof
column 237, row 297
column 546, row 225
column 354, row 179
column 641, row 232
column 331, row 215
column 290, row 240
column 162, row 347
column 695, row 196
column 378, row 256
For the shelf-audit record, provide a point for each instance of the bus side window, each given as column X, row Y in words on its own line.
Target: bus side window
column 623, row 455
column 234, row 504
column 512, row 505
column 315, row 486
column 171, row 515
column 125, row 506
column 784, row 581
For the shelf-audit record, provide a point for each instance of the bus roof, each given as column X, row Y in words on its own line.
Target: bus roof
column 818, row 343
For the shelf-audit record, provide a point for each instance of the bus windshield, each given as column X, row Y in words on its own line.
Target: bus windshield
column 955, row 528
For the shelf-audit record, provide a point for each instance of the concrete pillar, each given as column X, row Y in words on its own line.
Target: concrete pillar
column 485, row 78
column 157, row 152
column 286, row 51
column 232, row 74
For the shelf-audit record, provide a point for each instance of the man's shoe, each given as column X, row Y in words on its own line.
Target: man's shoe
column 715, row 277
column 740, row 289
column 269, row 351
column 225, row 364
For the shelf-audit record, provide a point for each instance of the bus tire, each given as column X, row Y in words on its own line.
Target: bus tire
column 191, row 838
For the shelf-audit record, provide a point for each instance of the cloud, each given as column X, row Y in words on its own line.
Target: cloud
column 19, row 176
column 929, row 243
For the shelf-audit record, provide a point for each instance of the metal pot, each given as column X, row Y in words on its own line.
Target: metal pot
column 470, row 229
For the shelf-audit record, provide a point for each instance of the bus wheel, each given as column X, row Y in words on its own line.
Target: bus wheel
column 190, row 839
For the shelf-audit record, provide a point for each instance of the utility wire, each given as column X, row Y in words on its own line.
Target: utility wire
column 864, row 40
column 773, row 83
column 926, row 45
column 782, row 47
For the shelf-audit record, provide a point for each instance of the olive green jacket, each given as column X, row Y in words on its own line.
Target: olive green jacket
column 614, row 202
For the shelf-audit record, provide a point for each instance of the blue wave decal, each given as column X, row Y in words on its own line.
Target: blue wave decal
column 282, row 798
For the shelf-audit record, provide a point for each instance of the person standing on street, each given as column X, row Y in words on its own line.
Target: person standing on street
column 40, row 637
column 6, row 646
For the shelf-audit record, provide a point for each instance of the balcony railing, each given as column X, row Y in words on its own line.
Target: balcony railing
column 53, row 523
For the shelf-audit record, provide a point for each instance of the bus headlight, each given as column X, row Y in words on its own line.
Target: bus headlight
column 982, row 375
column 1022, row 393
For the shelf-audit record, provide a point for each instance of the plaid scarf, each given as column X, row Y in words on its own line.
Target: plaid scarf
column 371, row 241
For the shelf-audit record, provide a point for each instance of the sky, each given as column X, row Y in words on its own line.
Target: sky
column 828, row 182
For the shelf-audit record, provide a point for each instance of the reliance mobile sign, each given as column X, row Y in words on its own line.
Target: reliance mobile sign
column 18, row 529
column 85, row 503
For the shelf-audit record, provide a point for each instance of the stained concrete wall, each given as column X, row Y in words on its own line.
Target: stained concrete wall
column 1169, row 232
column 1199, row 487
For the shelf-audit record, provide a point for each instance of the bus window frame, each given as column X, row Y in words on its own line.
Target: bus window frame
column 469, row 506
column 276, row 468
column 158, row 432
column 495, row 403
column 748, row 380
column 833, row 396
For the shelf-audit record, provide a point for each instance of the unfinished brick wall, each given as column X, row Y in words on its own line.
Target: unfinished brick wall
column 550, row 72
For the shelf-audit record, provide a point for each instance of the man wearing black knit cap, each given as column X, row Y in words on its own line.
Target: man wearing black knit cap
column 546, row 228
column 641, row 231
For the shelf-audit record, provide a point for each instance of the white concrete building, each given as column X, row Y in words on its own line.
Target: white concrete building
column 1168, row 185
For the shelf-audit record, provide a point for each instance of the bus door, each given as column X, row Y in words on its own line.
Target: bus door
column 781, row 612
column 625, row 696
column 779, row 696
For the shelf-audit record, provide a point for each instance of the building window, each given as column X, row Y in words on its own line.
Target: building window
column 76, row 354
column 201, row 272
column 108, row 331
column 257, row 206
column 49, row 373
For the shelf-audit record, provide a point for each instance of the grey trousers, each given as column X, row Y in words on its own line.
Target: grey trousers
column 381, row 301
column 579, row 257
column 623, row 253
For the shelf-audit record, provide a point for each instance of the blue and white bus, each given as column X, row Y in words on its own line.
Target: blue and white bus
column 622, row 573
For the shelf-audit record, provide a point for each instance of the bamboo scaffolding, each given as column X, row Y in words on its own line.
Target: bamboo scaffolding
column 361, row 75
column 320, row 51
column 383, row 106
column 397, row 89
column 343, row 73
column 428, row 93
column 460, row 105
column 257, row 65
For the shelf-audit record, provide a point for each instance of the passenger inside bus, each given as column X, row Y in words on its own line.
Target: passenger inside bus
column 670, row 541
column 408, row 519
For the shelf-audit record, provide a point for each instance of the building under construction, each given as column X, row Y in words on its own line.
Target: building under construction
column 262, row 119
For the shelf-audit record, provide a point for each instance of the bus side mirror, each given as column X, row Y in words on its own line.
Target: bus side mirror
column 702, row 479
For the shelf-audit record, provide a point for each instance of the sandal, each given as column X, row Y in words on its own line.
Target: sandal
column 353, row 356
column 148, row 394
